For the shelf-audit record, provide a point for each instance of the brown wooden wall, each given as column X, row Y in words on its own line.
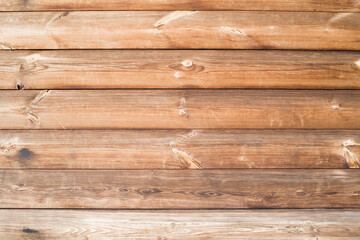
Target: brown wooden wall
column 161, row 119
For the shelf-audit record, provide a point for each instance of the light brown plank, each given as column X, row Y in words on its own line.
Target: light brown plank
column 186, row 29
column 210, row 224
column 288, row 5
column 180, row 189
column 179, row 69
column 164, row 149
column 179, row 109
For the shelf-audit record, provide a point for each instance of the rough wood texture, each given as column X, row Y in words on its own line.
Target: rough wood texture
column 179, row 109
column 180, row 29
column 180, row 189
column 287, row 5
column 244, row 224
column 164, row 149
column 179, row 69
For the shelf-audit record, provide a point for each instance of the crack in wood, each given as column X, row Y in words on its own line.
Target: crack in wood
column 42, row 94
column 57, row 17
column 186, row 159
column 233, row 30
column 352, row 160
column 29, row 108
column 6, row 47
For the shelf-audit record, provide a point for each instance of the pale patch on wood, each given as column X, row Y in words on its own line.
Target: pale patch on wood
column 172, row 16
column 42, row 94
column 232, row 30
column 191, row 134
column 351, row 159
column 28, row 109
column 187, row 63
column 32, row 117
column 189, row 161
column 356, row 65
column 184, row 137
column 5, row 47
column 7, row 146
column 182, row 101
column 177, row 74
column 33, row 58
column 338, row 16
column 335, row 107
column 349, row 142
column 183, row 113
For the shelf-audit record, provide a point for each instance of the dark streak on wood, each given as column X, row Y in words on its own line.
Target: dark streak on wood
column 29, row 230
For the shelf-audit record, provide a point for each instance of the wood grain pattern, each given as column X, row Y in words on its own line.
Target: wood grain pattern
column 179, row 109
column 165, row 149
column 288, row 5
column 179, row 69
column 180, row 29
column 210, row 224
column 180, row 189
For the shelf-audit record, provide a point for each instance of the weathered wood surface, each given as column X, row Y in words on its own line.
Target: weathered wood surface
column 180, row 29
column 165, row 149
column 287, row 5
column 179, row 69
column 179, row 109
column 210, row 224
column 180, row 189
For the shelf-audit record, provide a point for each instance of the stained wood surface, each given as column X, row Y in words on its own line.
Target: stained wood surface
column 179, row 69
column 180, row 189
column 165, row 149
column 288, row 5
column 180, row 29
column 210, row 224
column 179, row 109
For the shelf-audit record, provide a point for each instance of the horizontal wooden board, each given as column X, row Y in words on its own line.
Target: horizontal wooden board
column 179, row 109
column 288, row 5
column 211, row 224
column 180, row 29
column 166, row 149
column 68, row 69
column 180, row 189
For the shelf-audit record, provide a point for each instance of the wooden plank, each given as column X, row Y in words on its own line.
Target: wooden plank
column 179, row 109
column 180, row 29
column 210, row 224
column 180, row 189
column 287, row 5
column 166, row 149
column 179, row 69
